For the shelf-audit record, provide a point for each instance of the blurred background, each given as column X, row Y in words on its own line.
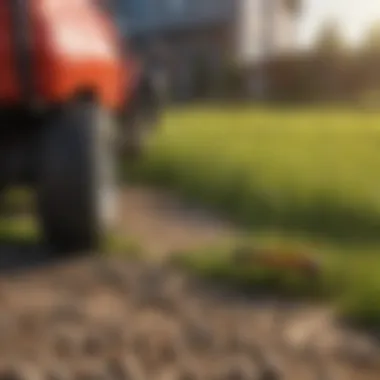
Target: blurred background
column 283, row 50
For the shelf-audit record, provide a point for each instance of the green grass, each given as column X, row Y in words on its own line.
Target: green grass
column 24, row 231
column 19, row 230
column 296, row 174
column 346, row 279
column 308, row 171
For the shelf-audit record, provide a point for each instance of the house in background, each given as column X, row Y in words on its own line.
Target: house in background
column 208, row 33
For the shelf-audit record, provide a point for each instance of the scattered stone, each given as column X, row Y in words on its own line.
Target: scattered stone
column 67, row 313
column 154, row 350
column 361, row 352
column 112, row 276
column 188, row 374
column 114, row 337
column 93, row 345
column 125, row 369
column 151, row 293
column 169, row 351
column 236, row 341
column 52, row 375
column 66, row 343
column 198, row 336
column 90, row 370
column 23, row 371
column 235, row 373
column 28, row 322
column 10, row 373
column 270, row 374
column 61, row 372
column 90, row 375
column 64, row 347
column 237, row 367
column 7, row 325
column 166, row 373
column 270, row 371
column 140, row 345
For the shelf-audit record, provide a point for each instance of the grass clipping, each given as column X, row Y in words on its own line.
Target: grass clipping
column 259, row 270
column 296, row 274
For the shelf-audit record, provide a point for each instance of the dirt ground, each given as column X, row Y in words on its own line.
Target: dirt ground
column 98, row 318
column 162, row 224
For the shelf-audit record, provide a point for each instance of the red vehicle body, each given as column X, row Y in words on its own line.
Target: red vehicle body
column 73, row 46
column 67, row 87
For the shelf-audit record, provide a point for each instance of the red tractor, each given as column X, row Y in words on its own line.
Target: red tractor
column 71, row 99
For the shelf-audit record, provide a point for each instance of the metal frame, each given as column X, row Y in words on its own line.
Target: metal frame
column 23, row 44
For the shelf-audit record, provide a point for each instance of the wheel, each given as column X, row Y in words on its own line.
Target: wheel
column 76, row 189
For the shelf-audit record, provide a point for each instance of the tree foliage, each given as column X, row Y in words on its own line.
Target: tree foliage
column 371, row 43
column 330, row 40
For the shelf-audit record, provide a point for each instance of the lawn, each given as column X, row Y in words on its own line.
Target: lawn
column 310, row 174
column 307, row 171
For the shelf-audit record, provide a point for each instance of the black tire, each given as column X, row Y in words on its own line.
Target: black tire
column 76, row 188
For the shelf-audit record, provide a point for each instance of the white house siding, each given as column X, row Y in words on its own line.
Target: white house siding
column 264, row 28
column 248, row 31
column 284, row 27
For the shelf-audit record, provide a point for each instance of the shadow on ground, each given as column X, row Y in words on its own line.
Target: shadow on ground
column 16, row 256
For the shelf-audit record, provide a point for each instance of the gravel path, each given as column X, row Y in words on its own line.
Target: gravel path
column 108, row 318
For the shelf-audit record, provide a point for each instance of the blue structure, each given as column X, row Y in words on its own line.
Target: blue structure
column 210, row 31
column 154, row 16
